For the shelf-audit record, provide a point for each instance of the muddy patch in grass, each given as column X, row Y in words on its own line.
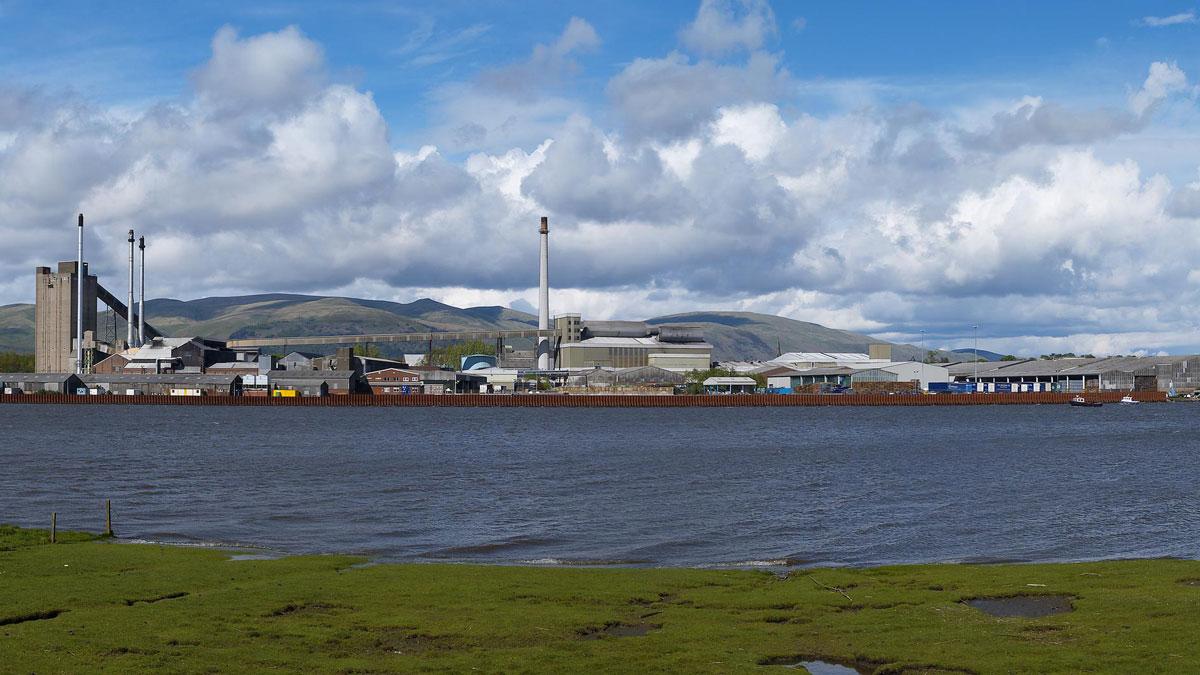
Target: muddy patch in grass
column 33, row 616
column 1023, row 606
column 160, row 598
column 618, row 629
column 1190, row 582
column 306, row 608
column 137, row 651
column 406, row 641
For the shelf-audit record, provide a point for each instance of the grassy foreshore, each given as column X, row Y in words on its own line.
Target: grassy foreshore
column 91, row 605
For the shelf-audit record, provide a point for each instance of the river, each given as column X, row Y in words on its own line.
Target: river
column 694, row 487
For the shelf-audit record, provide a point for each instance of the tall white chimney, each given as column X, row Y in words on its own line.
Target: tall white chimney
column 543, row 343
column 142, row 295
column 129, row 305
column 79, row 274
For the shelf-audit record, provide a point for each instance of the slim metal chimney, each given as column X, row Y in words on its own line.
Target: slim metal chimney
column 543, row 343
column 79, row 274
column 142, row 295
column 129, row 305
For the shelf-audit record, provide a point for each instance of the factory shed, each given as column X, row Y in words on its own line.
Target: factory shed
column 1070, row 375
column 748, row 366
column 165, row 384
column 1115, row 373
column 234, row 368
column 648, row 376
column 635, row 378
column 298, row 361
column 629, row 352
column 590, row 378
column 395, row 381
column 495, row 379
column 32, row 383
column 114, row 363
column 314, row 382
column 803, row 378
column 810, row 360
column 904, row 371
column 730, row 385
column 371, row 364
column 173, row 355
column 773, row 370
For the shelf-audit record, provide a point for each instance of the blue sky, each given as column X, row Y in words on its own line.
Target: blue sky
column 890, row 168
column 130, row 53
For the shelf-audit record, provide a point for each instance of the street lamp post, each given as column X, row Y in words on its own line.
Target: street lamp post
column 975, row 330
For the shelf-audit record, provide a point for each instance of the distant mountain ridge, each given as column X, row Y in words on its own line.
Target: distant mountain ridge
column 759, row 337
column 734, row 335
column 983, row 354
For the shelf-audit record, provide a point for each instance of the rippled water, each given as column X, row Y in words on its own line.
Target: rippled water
column 601, row 486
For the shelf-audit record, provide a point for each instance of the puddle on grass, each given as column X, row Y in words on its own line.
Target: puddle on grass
column 1023, row 606
column 814, row 666
column 825, row 668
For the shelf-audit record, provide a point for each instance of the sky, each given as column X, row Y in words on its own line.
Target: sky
column 924, row 172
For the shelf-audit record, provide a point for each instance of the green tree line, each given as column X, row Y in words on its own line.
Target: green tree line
column 15, row 362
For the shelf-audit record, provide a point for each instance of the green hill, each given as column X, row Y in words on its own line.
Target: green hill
column 734, row 335
column 16, row 328
column 751, row 336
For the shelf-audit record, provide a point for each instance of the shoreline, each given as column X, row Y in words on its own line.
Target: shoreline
column 92, row 606
column 766, row 563
column 589, row 401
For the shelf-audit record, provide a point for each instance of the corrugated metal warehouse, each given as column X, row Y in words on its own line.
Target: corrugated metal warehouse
column 165, row 384
column 1115, row 373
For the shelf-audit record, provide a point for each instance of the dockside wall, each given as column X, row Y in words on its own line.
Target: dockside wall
column 589, row 401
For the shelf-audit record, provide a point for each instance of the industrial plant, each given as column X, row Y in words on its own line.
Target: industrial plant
column 564, row 354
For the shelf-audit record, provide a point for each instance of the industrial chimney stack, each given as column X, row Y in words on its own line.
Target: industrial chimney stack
column 142, row 295
column 129, row 305
column 80, row 276
column 543, row 343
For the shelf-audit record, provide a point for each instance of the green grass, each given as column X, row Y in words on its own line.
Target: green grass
column 102, row 606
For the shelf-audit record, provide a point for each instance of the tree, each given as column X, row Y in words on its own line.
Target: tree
column 1008, row 357
column 13, row 362
column 450, row 356
column 694, row 381
column 369, row 350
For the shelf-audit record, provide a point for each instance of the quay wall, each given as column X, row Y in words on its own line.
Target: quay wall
column 589, row 401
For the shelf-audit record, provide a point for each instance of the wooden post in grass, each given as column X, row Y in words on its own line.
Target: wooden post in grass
column 53, row 526
column 108, row 518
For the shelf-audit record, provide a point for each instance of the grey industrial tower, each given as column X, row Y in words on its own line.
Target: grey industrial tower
column 54, row 317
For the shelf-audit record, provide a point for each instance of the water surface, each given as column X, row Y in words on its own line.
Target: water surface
column 727, row 486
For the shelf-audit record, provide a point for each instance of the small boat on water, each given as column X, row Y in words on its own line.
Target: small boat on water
column 1129, row 400
column 1081, row 402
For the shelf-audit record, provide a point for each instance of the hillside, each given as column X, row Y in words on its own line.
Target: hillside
column 734, row 335
column 984, row 354
column 16, row 328
column 751, row 336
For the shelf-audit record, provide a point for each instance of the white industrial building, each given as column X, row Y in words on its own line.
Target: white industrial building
column 870, row 370
column 629, row 344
